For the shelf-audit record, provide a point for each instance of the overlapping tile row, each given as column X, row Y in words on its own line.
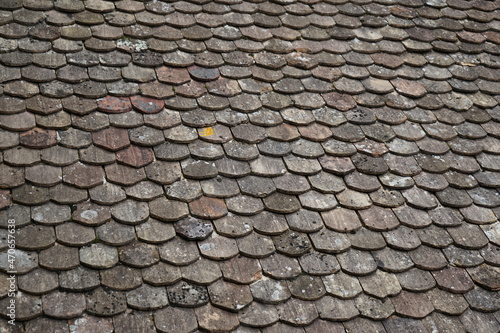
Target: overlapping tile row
column 264, row 166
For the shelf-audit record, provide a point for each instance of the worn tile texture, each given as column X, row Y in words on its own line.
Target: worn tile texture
column 309, row 166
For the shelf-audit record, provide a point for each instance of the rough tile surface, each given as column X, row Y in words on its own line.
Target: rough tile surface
column 250, row 166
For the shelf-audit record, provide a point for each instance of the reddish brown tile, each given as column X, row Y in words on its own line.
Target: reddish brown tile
column 38, row 138
column 112, row 138
column 135, row 156
column 147, row 105
column 176, row 76
column 111, row 104
column 206, row 207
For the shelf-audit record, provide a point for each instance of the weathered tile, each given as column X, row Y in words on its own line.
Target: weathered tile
column 179, row 252
column 99, row 256
column 73, row 234
column 292, row 243
column 416, row 280
column 329, row 241
column 82, row 175
column 357, row 262
column 139, row 254
column 111, row 104
column 63, row 305
column 144, row 191
column 210, row 318
column 147, row 297
column 27, row 195
column 96, row 156
column 281, row 203
column 135, row 156
column 105, row 302
column 11, row 177
column 396, row 324
column 402, row 238
column 233, row 225
column 489, row 254
column 428, row 258
column 244, row 205
column 140, row 322
column 270, row 291
column 476, row 320
column 443, row 322
column 420, row 198
column 187, row 295
column 484, row 275
column 364, row 239
column 59, row 257
column 35, row 237
column 107, row 194
column 38, row 138
column 27, row 306
column 184, row 190
column 468, row 236
column 317, row 201
column 379, row 218
column 153, row 231
column 52, row 325
column 280, row 267
column 161, row 274
column 259, row 315
column 482, row 300
column 359, row 325
column 173, row 319
column 111, row 138
column 341, row 219
column 354, row 200
column 297, row 312
column 38, row 282
column 206, row 207
column 374, row 308
column 392, row 260
column 269, row 223
column 50, row 214
column 167, row 210
column 121, row 278
column 115, row 234
column 25, row 261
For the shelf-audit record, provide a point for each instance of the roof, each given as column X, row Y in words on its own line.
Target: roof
column 250, row 166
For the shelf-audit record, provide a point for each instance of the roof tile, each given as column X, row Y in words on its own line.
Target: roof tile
column 73, row 234
column 485, row 322
column 104, row 302
column 374, row 308
column 38, row 282
column 59, row 257
column 98, row 256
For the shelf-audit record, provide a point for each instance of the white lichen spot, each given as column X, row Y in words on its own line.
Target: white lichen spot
column 89, row 214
